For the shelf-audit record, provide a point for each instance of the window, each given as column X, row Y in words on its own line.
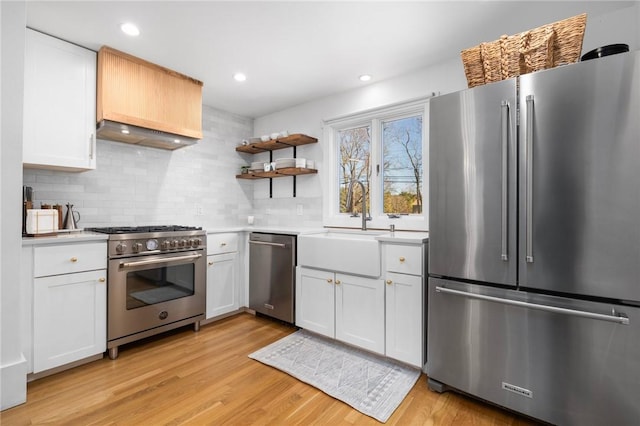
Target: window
column 386, row 151
column 402, row 170
column 355, row 156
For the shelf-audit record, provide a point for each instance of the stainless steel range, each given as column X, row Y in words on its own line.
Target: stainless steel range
column 156, row 281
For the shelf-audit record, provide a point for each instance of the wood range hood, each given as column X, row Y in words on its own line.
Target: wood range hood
column 145, row 104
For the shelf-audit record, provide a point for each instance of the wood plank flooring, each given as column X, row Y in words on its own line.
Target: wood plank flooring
column 206, row 378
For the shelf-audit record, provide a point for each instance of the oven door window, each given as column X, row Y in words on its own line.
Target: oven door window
column 159, row 284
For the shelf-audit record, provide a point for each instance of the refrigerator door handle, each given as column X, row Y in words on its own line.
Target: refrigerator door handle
column 529, row 181
column 504, row 116
column 619, row 317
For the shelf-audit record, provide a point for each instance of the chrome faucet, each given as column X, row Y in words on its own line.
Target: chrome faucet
column 364, row 202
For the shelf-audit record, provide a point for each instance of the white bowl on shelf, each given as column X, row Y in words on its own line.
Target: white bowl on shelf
column 264, row 138
column 282, row 163
column 274, row 136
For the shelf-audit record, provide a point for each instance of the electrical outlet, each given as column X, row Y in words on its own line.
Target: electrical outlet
column 299, row 209
column 199, row 210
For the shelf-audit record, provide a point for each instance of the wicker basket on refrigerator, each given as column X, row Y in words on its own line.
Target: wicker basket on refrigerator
column 548, row 46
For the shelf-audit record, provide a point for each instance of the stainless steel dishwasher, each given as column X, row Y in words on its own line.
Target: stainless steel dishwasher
column 272, row 262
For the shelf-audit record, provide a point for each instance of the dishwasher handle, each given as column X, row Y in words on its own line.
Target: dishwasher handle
column 619, row 318
column 263, row 243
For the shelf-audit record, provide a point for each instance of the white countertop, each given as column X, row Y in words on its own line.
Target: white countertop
column 288, row 230
column 400, row 237
column 64, row 237
column 405, row 237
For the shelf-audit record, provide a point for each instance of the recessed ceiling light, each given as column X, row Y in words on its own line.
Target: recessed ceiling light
column 239, row 76
column 365, row 77
column 130, row 29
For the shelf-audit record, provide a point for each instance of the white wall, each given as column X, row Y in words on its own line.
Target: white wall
column 620, row 26
column 13, row 368
column 617, row 27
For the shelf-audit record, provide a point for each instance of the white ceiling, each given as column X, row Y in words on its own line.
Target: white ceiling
column 294, row 51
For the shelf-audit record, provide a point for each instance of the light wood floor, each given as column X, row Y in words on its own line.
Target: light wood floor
column 207, row 378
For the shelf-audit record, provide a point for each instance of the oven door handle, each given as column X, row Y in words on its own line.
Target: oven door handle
column 156, row 261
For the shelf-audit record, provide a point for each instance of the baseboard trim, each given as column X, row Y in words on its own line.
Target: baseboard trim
column 13, row 383
column 35, row 376
column 240, row 310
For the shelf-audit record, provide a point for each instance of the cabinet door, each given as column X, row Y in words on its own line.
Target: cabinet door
column 222, row 288
column 360, row 311
column 315, row 304
column 405, row 320
column 59, row 104
column 70, row 318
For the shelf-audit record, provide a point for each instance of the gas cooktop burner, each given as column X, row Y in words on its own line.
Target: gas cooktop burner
column 141, row 229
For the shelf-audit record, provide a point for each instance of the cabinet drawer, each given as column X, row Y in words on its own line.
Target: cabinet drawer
column 404, row 259
column 222, row 243
column 69, row 258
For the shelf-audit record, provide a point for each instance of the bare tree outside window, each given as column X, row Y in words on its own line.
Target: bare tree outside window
column 402, row 165
column 355, row 155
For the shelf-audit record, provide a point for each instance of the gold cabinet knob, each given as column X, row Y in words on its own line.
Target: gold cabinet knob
column 102, row 279
column 329, row 280
column 338, row 282
column 210, row 263
column 389, row 282
column 402, row 259
column 74, row 259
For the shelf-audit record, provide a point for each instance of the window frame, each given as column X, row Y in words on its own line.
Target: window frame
column 374, row 118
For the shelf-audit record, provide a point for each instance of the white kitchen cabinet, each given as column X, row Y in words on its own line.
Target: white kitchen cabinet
column 222, row 274
column 341, row 306
column 315, row 301
column 59, row 104
column 360, row 311
column 404, row 322
column 405, row 267
column 70, row 314
column 69, row 297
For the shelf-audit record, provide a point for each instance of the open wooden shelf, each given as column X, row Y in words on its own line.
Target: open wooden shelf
column 275, row 144
column 287, row 171
column 291, row 141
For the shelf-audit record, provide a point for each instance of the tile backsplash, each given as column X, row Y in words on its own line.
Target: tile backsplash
column 134, row 185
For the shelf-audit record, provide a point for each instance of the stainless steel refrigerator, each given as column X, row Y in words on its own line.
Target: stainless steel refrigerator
column 534, row 257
